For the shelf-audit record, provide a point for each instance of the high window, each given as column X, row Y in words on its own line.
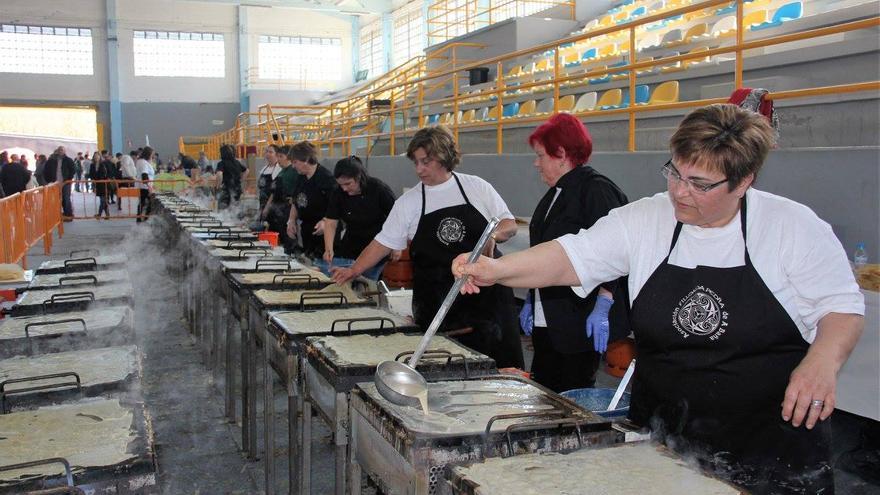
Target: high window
column 409, row 40
column 371, row 51
column 45, row 50
column 316, row 62
column 177, row 54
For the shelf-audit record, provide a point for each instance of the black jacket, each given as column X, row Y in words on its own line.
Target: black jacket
column 14, row 178
column 52, row 173
column 585, row 197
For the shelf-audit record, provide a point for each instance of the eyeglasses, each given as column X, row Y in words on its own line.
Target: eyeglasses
column 671, row 173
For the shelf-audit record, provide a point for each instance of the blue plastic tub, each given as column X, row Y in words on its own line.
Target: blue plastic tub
column 322, row 265
column 597, row 400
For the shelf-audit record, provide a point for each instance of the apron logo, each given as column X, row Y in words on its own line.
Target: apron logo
column 302, row 200
column 700, row 313
column 450, row 230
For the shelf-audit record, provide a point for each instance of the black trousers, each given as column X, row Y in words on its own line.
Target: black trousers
column 144, row 207
column 561, row 371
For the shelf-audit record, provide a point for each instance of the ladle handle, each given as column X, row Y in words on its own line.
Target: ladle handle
column 451, row 295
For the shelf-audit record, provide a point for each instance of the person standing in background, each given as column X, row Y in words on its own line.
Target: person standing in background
column 14, row 178
column 267, row 175
column 78, row 170
column 60, row 168
column 188, row 164
column 570, row 329
column 278, row 206
column 102, row 173
column 85, row 167
column 232, row 174
column 145, row 175
column 39, row 168
column 310, row 198
column 204, row 163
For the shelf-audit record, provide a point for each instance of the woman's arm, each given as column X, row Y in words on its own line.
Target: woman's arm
column 372, row 254
column 815, row 378
column 505, row 230
column 329, row 236
column 541, row 266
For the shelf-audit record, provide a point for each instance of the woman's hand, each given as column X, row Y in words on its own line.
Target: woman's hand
column 481, row 273
column 810, row 395
column 342, row 275
column 396, row 254
column 328, row 255
column 319, row 228
column 489, row 248
column 291, row 230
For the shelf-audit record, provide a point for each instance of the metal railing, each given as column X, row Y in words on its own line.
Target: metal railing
column 27, row 218
column 408, row 103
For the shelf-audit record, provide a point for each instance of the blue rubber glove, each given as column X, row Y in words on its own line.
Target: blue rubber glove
column 597, row 323
column 527, row 317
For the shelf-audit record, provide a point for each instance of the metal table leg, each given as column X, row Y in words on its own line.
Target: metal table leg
column 252, row 385
column 292, row 426
column 306, row 476
column 268, row 411
column 230, row 375
column 340, row 436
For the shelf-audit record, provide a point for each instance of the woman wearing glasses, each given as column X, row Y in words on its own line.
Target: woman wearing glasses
column 557, row 317
column 744, row 306
column 362, row 203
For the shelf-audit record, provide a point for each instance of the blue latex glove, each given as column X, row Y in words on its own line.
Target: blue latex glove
column 527, row 317
column 597, row 323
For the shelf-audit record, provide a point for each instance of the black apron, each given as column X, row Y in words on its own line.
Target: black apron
column 715, row 352
column 264, row 185
column 440, row 237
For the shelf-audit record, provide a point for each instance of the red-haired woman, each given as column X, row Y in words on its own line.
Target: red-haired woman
column 569, row 330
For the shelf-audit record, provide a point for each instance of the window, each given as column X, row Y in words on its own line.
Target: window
column 175, row 54
column 371, row 50
column 505, row 9
column 46, row 50
column 409, row 38
column 315, row 61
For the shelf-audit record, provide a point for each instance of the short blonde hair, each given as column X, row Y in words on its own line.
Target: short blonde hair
column 725, row 138
column 438, row 143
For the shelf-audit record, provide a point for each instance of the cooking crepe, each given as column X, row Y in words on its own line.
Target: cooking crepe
column 110, row 259
column 869, row 277
column 13, row 328
column 251, row 264
column 88, row 433
column 250, row 252
column 631, row 468
column 259, row 278
column 374, row 349
column 465, row 407
column 10, row 272
column 294, row 322
column 103, row 277
column 288, row 297
column 101, row 292
column 94, row 366
column 217, row 243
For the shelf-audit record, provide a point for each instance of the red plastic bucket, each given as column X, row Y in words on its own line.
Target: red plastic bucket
column 270, row 237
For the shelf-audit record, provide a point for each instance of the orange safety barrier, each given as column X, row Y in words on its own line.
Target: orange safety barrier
column 26, row 218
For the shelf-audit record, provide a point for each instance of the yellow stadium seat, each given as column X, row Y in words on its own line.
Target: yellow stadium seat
column 566, row 103
column 726, row 26
column 610, row 99
column 514, row 71
column 468, row 116
column 608, row 50
column 492, row 114
column 586, row 102
column 666, row 92
column 526, row 109
column 541, row 65
column 684, row 64
column 754, row 18
column 696, row 32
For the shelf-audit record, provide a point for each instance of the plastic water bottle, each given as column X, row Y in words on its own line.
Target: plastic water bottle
column 860, row 257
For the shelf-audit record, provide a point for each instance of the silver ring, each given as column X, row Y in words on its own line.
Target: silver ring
column 818, row 403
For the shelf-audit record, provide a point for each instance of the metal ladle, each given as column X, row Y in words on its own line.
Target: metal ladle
column 400, row 383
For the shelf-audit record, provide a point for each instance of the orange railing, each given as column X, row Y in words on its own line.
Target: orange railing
column 26, row 218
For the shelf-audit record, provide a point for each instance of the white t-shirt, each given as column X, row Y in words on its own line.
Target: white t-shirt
column 144, row 167
column 403, row 220
column 795, row 253
column 128, row 168
column 271, row 169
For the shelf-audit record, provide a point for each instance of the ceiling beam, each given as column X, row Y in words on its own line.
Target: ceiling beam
column 350, row 7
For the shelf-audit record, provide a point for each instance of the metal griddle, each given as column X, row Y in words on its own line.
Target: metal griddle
column 56, row 383
column 402, row 460
column 72, row 299
column 55, row 281
column 136, row 475
column 282, row 341
column 82, row 262
column 56, row 332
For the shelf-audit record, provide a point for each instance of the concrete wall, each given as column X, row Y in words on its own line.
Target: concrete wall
column 165, row 122
column 840, row 185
